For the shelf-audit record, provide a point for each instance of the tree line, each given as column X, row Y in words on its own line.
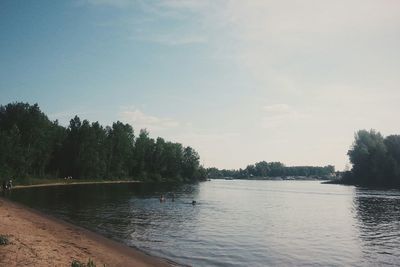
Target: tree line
column 33, row 146
column 265, row 169
column 375, row 160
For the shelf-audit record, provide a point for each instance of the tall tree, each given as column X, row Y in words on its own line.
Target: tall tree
column 190, row 163
column 33, row 146
column 368, row 155
column 121, row 142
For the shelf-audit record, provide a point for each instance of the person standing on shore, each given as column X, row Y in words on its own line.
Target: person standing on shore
column 9, row 184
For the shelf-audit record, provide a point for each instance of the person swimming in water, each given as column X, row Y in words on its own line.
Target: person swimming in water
column 194, row 202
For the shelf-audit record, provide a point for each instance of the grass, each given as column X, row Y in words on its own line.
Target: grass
column 4, row 240
column 76, row 263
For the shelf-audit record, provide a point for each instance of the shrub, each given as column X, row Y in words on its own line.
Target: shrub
column 4, row 240
column 76, row 263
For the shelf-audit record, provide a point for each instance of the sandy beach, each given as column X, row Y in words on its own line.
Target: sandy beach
column 38, row 239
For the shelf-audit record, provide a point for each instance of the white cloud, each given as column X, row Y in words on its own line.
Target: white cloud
column 147, row 19
column 278, row 115
column 140, row 120
column 290, row 44
column 277, row 109
column 335, row 62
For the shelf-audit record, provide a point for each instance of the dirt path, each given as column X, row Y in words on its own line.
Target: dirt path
column 41, row 240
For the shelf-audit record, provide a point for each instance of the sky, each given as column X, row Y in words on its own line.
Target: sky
column 239, row 81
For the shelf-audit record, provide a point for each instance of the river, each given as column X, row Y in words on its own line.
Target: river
column 236, row 222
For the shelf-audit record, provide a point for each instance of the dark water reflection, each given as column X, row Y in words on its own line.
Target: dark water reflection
column 378, row 214
column 237, row 223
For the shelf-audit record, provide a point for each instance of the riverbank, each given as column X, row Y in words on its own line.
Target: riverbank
column 37, row 239
column 69, row 182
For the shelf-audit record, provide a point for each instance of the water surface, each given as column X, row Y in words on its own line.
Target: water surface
column 237, row 223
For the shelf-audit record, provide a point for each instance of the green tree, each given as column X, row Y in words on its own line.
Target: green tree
column 120, row 155
column 30, row 131
column 190, row 163
column 368, row 156
column 173, row 154
column 392, row 168
column 33, row 146
column 143, row 154
column 262, row 169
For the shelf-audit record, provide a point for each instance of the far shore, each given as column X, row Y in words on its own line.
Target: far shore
column 37, row 239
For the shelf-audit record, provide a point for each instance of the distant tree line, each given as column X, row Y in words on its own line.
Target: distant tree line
column 272, row 169
column 375, row 160
column 33, row 146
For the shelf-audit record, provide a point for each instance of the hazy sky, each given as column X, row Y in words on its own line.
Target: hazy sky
column 240, row 81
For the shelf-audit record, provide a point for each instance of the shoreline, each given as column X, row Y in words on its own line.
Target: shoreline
column 39, row 239
column 360, row 185
column 77, row 183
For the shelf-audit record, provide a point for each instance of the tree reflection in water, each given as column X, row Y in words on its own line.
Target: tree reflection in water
column 378, row 216
column 118, row 211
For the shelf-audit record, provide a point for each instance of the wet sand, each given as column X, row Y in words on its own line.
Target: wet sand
column 38, row 239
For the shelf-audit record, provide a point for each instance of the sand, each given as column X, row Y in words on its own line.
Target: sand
column 38, row 239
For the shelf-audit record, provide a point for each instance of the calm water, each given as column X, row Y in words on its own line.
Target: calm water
column 237, row 223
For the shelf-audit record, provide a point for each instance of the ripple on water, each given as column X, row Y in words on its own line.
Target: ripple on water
column 238, row 223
